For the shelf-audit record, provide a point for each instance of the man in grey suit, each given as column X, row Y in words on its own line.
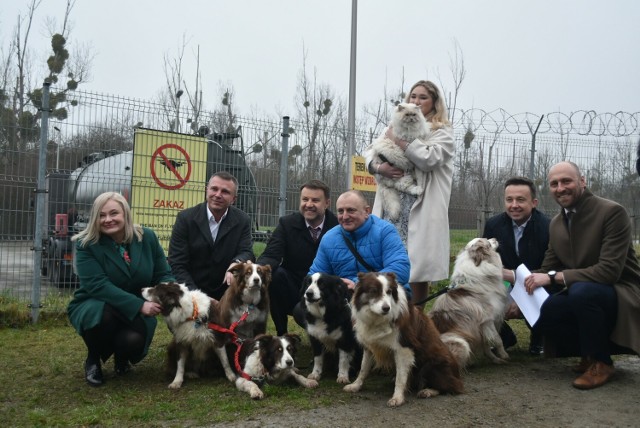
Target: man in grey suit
column 208, row 238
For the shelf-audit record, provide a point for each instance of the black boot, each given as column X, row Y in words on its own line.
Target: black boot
column 93, row 372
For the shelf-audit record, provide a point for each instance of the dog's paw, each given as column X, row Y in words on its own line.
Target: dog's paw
column 311, row 384
column 314, row 376
column 342, row 379
column 428, row 393
column 256, row 393
column 175, row 385
column 354, row 387
column 395, row 401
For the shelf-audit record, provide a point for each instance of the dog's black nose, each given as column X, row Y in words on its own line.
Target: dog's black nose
column 290, row 362
column 385, row 309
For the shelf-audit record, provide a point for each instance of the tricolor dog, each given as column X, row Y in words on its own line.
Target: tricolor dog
column 267, row 358
column 187, row 313
column 325, row 300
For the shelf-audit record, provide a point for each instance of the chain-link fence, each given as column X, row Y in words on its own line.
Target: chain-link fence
column 94, row 142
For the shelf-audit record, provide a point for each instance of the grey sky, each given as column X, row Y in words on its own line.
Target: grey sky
column 536, row 56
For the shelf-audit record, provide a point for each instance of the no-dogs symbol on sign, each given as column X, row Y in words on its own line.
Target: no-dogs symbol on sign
column 175, row 160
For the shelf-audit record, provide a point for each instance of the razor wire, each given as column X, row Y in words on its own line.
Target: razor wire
column 580, row 122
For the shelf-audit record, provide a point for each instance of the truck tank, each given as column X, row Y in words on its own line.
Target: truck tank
column 109, row 174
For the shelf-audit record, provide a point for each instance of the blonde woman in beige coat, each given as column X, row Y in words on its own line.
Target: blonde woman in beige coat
column 424, row 222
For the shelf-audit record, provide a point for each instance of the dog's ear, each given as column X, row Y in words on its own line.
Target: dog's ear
column 479, row 252
column 305, row 284
column 236, row 269
column 294, row 338
column 266, row 271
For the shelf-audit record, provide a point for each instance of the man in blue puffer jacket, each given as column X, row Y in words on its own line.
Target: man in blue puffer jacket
column 377, row 241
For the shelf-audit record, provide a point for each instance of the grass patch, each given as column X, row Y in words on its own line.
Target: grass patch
column 43, row 368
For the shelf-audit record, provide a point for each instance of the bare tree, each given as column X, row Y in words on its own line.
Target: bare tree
column 458, row 73
column 377, row 115
column 314, row 102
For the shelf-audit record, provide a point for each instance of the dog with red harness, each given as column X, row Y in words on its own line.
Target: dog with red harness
column 247, row 297
column 266, row 358
column 187, row 313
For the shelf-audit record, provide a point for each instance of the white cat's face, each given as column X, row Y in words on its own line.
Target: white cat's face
column 409, row 112
column 408, row 122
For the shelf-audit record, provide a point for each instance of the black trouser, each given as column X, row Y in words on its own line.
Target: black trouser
column 579, row 322
column 118, row 335
column 284, row 294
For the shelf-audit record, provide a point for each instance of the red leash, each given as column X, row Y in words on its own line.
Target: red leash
column 235, row 339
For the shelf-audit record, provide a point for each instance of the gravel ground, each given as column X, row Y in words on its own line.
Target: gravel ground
column 536, row 392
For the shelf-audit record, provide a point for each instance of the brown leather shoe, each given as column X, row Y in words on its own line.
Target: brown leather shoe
column 596, row 375
column 582, row 366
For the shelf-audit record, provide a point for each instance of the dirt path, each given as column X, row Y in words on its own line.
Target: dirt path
column 536, row 392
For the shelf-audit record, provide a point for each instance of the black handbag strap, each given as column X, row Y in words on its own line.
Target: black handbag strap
column 357, row 254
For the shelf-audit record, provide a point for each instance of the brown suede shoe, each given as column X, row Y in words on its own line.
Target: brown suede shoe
column 596, row 375
column 582, row 366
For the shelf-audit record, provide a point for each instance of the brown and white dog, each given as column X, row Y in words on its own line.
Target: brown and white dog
column 469, row 315
column 247, row 294
column 187, row 313
column 395, row 333
column 267, row 358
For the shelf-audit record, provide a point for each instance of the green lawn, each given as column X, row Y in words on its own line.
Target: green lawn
column 44, row 378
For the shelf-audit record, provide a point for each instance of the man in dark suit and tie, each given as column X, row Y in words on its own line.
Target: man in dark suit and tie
column 292, row 248
column 208, row 238
column 523, row 236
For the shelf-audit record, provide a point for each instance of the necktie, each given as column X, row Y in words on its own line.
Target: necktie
column 315, row 233
column 569, row 216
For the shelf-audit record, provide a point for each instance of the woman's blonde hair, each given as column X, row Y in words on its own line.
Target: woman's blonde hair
column 441, row 117
column 91, row 234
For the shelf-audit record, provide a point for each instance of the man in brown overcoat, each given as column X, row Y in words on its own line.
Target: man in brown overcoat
column 591, row 254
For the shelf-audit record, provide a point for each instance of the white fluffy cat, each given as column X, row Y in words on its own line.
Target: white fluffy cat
column 408, row 124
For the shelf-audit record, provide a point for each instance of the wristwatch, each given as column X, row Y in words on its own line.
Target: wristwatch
column 552, row 276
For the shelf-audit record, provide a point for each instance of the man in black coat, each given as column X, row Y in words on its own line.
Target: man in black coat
column 292, row 248
column 208, row 238
column 523, row 236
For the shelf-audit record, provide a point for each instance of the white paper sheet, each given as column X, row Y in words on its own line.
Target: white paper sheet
column 529, row 304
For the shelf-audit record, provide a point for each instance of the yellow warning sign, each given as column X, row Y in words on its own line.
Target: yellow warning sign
column 169, row 175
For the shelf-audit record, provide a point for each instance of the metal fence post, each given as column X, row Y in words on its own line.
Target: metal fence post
column 40, row 192
column 284, row 157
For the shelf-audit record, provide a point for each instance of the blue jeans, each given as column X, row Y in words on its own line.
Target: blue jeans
column 580, row 320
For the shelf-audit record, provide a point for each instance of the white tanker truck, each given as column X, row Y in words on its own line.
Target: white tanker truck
column 71, row 195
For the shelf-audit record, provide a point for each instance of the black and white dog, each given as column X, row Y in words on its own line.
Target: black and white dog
column 266, row 358
column 325, row 300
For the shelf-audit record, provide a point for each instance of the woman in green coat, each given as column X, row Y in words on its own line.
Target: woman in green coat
column 115, row 260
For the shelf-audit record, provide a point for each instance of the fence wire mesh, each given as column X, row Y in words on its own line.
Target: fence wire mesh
column 490, row 147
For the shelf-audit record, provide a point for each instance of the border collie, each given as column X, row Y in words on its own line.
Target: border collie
column 186, row 313
column 395, row 333
column 267, row 358
column 325, row 300
column 248, row 294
